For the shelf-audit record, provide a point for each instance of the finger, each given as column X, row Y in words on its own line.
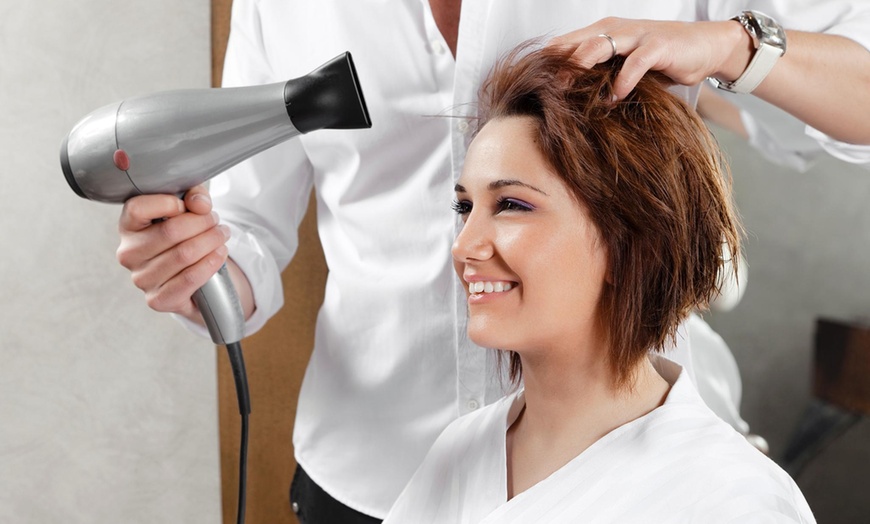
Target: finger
column 174, row 296
column 593, row 51
column 198, row 200
column 138, row 247
column 636, row 64
column 141, row 211
column 173, row 261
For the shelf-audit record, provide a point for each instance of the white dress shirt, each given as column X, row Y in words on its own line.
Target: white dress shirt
column 679, row 463
column 391, row 366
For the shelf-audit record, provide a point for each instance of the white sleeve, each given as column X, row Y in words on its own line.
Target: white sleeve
column 794, row 150
column 264, row 198
column 852, row 153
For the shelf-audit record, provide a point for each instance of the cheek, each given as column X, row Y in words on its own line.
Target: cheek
column 567, row 274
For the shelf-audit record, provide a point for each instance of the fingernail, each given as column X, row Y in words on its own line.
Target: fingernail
column 215, row 217
column 222, row 251
column 225, row 230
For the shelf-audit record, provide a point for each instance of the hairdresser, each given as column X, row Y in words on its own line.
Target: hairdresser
column 392, row 365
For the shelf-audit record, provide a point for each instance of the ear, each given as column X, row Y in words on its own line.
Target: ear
column 608, row 276
column 608, row 273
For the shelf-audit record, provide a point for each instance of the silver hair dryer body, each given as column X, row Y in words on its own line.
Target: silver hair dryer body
column 169, row 142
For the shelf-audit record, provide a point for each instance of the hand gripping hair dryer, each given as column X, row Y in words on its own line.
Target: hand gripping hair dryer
column 169, row 142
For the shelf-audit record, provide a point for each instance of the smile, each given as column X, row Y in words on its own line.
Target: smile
column 489, row 287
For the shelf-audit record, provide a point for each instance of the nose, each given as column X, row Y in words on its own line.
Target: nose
column 474, row 241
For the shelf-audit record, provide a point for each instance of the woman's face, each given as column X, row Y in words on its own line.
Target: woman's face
column 528, row 254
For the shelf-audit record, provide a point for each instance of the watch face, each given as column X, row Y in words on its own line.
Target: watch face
column 765, row 28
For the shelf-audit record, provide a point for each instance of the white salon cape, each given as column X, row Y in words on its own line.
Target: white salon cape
column 391, row 365
column 679, row 463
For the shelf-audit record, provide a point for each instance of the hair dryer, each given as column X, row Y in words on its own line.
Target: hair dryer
column 171, row 141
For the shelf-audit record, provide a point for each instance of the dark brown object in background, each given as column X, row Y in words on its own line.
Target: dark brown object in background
column 275, row 358
column 842, row 365
column 841, row 391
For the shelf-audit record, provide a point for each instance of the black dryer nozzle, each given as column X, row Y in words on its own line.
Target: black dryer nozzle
column 328, row 98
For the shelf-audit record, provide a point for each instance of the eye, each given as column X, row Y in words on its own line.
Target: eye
column 512, row 204
column 462, row 207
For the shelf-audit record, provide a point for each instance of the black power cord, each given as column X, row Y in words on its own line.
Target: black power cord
column 237, row 363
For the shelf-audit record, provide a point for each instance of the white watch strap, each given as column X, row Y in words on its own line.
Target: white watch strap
column 762, row 62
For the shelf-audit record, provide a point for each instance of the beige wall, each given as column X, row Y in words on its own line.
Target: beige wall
column 107, row 409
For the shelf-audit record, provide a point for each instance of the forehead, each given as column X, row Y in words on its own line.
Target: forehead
column 506, row 148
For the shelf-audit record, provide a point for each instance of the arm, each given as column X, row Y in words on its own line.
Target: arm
column 821, row 79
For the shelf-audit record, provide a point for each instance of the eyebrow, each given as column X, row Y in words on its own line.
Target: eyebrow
column 498, row 184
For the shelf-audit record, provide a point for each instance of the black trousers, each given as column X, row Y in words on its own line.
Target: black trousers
column 312, row 505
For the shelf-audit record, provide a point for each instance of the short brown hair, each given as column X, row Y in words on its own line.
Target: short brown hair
column 649, row 174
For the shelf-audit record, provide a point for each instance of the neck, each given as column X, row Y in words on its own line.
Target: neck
column 569, row 405
column 560, row 397
column 446, row 14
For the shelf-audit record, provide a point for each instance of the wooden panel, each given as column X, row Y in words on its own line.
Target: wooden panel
column 842, row 365
column 275, row 359
column 220, row 31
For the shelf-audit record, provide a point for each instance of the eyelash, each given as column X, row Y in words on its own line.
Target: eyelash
column 461, row 207
column 515, row 205
column 502, row 204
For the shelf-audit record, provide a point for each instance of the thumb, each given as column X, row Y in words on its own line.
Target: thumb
column 197, row 200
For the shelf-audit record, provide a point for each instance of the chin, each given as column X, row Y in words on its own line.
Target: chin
column 514, row 337
column 491, row 336
column 485, row 336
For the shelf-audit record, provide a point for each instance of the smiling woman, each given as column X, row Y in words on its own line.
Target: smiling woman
column 646, row 173
column 592, row 228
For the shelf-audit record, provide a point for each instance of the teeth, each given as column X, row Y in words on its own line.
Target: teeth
column 489, row 287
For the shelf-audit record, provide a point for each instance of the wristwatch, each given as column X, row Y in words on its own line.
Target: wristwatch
column 769, row 39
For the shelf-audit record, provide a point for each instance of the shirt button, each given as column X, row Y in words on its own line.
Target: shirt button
column 472, row 405
column 438, row 47
column 295, row 507
column 462, row 126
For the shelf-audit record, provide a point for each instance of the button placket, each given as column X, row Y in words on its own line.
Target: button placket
column 438, row 47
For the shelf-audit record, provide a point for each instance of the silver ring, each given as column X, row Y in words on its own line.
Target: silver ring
column 612, row 43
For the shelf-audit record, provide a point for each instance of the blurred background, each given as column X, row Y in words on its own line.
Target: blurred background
column 807, row 249
column 108, row 411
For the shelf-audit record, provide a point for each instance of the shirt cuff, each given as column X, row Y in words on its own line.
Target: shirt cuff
column 262, row 273
column 852, row 153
